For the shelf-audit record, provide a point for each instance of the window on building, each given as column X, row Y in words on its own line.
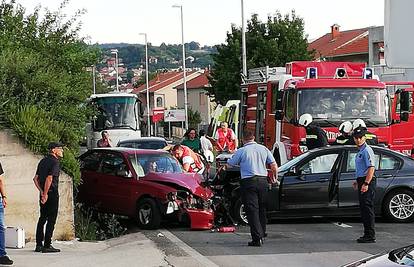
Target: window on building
column 202, row 99
column 160, row 103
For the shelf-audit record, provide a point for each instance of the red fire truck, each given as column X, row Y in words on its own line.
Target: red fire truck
column 332, row 92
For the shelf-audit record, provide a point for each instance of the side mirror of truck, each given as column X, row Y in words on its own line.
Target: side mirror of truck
column 279, row 115
column 404, row 115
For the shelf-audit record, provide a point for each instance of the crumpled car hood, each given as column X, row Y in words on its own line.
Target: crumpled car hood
column 191, row 181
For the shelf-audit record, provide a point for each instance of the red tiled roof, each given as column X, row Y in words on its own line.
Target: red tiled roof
column 200, row 81
column 161, row 80
column 347, row 42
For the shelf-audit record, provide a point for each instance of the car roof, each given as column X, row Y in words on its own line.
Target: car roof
column 353, row 147
column 131, row 151
column 150, row 138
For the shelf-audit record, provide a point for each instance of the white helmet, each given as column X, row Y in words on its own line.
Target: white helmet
column 346, row 127
column 305, row 119
column 358, row 123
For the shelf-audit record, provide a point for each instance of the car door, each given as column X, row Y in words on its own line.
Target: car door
column 309, row 187
column 116, row 183
column 89, row 165
column 348, row 197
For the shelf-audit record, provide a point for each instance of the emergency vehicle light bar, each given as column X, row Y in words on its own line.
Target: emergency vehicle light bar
column 311, row 73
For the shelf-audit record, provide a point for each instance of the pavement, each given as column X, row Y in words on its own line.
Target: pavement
column 129, row 250
column 135, row 249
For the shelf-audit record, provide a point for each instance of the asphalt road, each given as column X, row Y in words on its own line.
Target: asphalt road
column 306, row 242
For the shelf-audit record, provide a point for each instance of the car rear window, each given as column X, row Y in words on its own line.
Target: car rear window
column 144, row 144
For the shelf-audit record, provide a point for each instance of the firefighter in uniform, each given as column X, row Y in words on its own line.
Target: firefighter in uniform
column 345, row 138
column 365, row 184
column 315, row 136
column 371, row 138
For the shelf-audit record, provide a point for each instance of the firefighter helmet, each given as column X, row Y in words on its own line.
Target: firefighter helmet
column 305, row 119
column 358, row 123
column 345, row 127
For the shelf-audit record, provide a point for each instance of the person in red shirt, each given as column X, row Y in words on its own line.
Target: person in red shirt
column 105, row 141
column 225, row 138
column 190, row 161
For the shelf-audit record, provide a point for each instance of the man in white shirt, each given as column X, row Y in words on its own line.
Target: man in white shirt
column 206, row 146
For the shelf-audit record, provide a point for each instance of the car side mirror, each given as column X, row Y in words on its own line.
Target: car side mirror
column 293, row 171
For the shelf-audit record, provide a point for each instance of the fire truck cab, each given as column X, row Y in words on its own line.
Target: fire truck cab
column 273, row 99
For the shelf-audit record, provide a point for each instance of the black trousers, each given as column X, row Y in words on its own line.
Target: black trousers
column 254, row 191
column 366, row 205
column 48, row 214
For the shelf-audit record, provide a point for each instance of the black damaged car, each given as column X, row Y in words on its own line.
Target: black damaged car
column 319, row 183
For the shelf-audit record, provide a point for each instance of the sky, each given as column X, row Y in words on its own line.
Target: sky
column 207, row 21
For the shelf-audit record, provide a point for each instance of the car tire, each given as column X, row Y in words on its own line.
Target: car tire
column 398, row 206
column 239, row 214
column 148, row 214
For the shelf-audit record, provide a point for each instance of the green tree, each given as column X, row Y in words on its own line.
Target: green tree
column 194, row 118
column 273, row 43
column 43, row 77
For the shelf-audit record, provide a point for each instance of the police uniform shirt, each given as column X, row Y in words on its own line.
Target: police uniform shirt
column 49, row 165
column 364, row 160
column 252, row 159
column 315, row 137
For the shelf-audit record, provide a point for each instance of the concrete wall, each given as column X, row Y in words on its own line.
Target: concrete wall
column 20, row 165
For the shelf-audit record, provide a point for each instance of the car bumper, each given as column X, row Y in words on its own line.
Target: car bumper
column 200, row 219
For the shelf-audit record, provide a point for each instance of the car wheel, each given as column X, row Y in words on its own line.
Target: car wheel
column 399, row 205
column 148, row 214
column 239, row 214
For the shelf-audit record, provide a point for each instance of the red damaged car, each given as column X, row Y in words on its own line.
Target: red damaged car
column 148, row 185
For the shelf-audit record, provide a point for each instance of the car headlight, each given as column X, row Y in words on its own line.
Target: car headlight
column 172, row 196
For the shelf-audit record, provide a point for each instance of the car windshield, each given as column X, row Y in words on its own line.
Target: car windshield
column 157, row 163
column 332, row 106
column 115, row 113
column 144, row 144
column 292, row 162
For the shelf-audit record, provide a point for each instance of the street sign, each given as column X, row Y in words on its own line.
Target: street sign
column 399, row 33
column 157, row 114
column 174, row 115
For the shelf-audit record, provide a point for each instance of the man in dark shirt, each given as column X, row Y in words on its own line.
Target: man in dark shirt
column 4, row 259
column 46, row 181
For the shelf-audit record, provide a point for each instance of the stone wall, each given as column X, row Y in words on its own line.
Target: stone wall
column 20, row 165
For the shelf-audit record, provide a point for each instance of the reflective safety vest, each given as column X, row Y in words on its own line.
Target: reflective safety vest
column 225, row 140
column 197, row 165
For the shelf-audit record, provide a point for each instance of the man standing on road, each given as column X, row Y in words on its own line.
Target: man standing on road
column 4, row 259
column 315, row 136
column 46, row 181
column 105, row 141
column 252, row 159
column 365, row 184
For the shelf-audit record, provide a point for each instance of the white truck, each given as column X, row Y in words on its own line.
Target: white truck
column 117, row 113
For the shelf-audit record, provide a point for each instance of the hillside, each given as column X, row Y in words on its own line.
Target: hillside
column 161, row 57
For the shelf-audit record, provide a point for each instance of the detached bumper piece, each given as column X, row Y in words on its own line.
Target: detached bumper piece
column 200, row 219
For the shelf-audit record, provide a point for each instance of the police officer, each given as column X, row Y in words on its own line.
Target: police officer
column 252, row 159
column 47, row 181
column 371, row 138
column 315, row 136
column 345, row 138
column 365, row 184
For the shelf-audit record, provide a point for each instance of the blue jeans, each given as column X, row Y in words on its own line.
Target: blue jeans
column 2, row 232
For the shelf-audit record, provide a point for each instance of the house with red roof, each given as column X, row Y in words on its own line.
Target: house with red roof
column 352, row 45
column 197, row 95
column 161, row 89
